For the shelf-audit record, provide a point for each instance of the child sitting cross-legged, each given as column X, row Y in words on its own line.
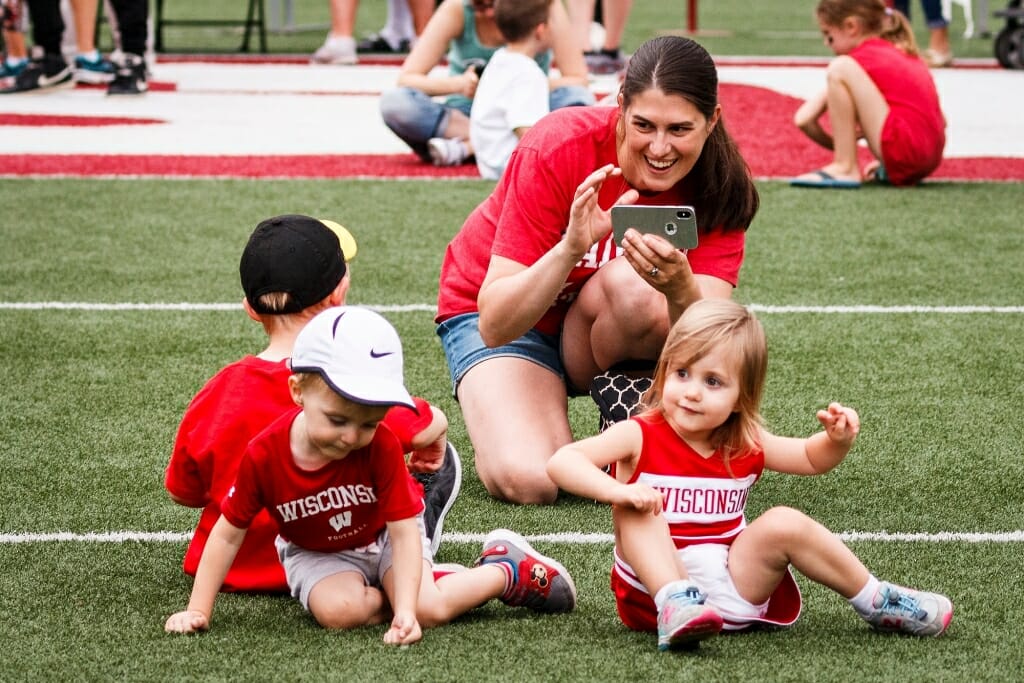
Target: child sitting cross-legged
column 352, row 540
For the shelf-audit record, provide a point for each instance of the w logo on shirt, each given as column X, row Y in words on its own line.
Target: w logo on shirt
column 341, row 520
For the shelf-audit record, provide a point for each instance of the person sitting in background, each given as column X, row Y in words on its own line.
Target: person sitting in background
column 513, row 92
column 438, row 132
column 879, row 89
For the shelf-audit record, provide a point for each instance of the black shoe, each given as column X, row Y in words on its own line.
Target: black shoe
column 49, row 72
column 375, row 42
column 604, row 62
column 440, row 489
column 130, row 77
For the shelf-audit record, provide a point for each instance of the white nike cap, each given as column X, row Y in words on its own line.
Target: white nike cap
column 357, row 353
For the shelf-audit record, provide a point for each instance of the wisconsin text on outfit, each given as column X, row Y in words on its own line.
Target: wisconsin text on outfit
column 333, row 498
column 711, row 499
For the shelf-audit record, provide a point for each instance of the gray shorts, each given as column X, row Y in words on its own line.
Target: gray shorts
column 304, row 568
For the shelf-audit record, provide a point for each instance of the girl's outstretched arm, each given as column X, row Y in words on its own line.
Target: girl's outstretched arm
column 819, row 453
column 579, row 468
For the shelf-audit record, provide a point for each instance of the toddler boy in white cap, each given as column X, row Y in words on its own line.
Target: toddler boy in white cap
column 334, row 479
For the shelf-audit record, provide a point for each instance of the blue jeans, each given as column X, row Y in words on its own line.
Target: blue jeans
column 932, row 11
column 416, row 117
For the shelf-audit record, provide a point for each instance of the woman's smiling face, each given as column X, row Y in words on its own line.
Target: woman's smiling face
column 660, row 138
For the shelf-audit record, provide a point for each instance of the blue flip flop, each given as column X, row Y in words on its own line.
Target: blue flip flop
column 824, row 179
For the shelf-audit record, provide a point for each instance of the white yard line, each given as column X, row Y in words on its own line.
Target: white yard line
column 565, row 537
column 431, row 308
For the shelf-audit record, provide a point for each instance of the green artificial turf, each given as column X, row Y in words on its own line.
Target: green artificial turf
column 90, row 400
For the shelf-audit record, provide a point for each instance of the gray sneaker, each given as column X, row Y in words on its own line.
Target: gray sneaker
column 684, row 620
column 538, row 582
column 440, row 489
column 904, row 610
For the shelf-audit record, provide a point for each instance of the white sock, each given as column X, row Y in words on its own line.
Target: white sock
column 668, row 589
column 399, row 23
column 92, row 56
column 863, row 601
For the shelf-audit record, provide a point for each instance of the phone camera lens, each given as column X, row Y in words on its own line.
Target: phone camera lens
column 670, row 228
column 684, row 215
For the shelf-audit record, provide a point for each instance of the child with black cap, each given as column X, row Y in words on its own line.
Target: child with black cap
column 292, row 267
column 333, row 476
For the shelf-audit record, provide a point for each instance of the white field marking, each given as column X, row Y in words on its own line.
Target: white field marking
column 566, row 537
column 86, row 306
column 430, row 308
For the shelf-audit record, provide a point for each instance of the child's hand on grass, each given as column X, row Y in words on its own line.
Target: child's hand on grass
column 188, row 621
column 405, row 630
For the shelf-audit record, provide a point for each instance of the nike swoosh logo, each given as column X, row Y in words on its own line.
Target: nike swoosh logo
column 374, row 354
column 47, row 81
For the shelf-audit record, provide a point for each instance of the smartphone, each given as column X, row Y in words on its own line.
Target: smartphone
column 677, row 224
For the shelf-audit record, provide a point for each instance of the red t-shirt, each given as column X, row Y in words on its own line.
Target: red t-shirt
column 527, row 213
column 343, row 505
column 914, row 133
column 235, row 405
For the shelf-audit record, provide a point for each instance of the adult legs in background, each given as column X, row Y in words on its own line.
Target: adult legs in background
column 938, row 53
column 340, row 45
column 406, row 20
column 47, row 69
column 615, row 13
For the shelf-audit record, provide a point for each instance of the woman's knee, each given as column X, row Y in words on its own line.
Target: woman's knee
column 518, row 483
column 627, row 297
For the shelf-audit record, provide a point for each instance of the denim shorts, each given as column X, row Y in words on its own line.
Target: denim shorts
column 464, row 348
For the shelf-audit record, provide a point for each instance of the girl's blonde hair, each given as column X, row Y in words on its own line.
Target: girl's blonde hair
column 714, row 324
column 875, row 17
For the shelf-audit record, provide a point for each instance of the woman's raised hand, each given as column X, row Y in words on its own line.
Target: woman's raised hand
column 588, row 222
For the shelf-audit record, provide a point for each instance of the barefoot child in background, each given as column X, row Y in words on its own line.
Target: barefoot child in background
column 879, row 89
column 687, row 564
column 292, row 268
column 334, row 479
